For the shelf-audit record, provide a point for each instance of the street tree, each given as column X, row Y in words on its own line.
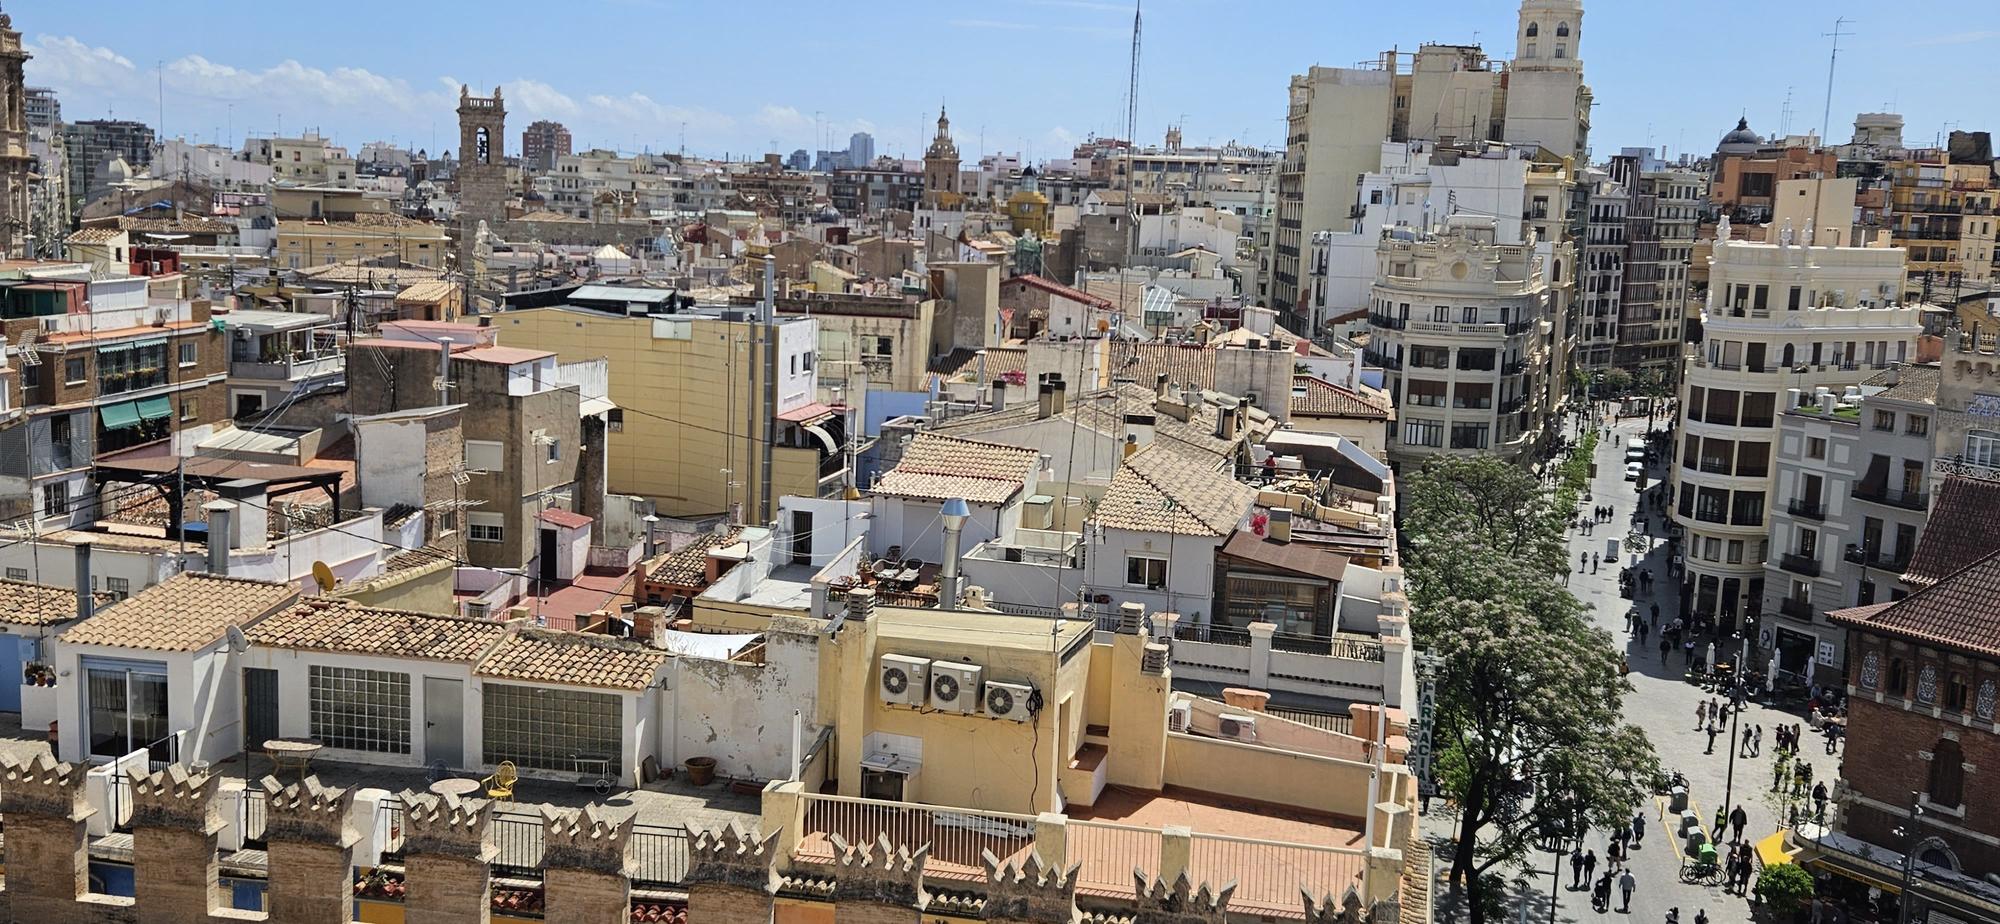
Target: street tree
column 1528, row 717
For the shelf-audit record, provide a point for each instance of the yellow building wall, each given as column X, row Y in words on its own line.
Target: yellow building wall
column 688, row 407
column 1278, row 777
column 318, row 245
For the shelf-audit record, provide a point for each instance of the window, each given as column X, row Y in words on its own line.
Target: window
column 359, row 710
column 484, row 527
column 1534, row 29
column 190, row 353
column 17, row 574
column 1146, row 571
column 55, row 498
column 1947, row 784
column 1885, row 421
column 118, row 587
column 555, row 450
column 1815, row 447
column 1955, row 690
column 1982, row 447
column 190, row 408
column 73, row 371
column 1917, row 425
column 549, row 728
column 614, row 420
column 31, row 376
column 484, row 456
column 1423, row 433
column 1735, row 554
column 1899, row 676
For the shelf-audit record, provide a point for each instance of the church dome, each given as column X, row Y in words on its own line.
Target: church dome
column 1740, row 138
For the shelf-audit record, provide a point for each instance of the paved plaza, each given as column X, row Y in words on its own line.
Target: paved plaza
column 1663, row 703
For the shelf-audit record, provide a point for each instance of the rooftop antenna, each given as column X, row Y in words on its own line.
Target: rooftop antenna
column 1785, row 115
column 1826, row 118
column 1131, row 142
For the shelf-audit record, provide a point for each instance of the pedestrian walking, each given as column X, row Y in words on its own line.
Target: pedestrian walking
column 1594, row 560
column 1600, row 894
column 1576, row 868
column 1656, row 611
column 1743, row 748
column 1701, row 916
column 1687, row 654
column 1819, row 800
column 1638, row 828
column 1626, row 884
column 1589, row 863
column 1737, row 820
column 1757, row 742
column 1645, row 629
column 1779, row 769
column 1582, row 561
column 1666, row 641
column 1721, row 822
column 1701, row 715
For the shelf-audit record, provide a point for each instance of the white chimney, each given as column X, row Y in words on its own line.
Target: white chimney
column 85, row 603
column 1281, row 525
column 218, row 535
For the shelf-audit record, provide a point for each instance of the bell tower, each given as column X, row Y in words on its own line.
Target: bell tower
column 941, row 168
column 482, row 168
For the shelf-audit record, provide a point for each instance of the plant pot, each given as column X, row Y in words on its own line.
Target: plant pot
column 700, row 770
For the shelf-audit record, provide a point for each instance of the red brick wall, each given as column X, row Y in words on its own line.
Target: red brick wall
column 1889, row 740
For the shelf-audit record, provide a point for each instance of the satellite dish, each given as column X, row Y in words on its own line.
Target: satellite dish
column 323, row 576
column 237, row 641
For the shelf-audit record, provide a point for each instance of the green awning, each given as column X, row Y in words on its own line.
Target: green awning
column 119, row 416
column 115, row 347
column 155, row 408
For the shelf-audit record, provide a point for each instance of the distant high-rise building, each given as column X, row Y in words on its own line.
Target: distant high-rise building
column 44, row 110
column 94, row 143
column 542, row 142
column 861, row 149
column 800, row 160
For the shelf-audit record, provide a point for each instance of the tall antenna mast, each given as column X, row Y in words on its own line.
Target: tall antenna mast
column 1785, row 115
column 1131, row 143
column 1826, row 119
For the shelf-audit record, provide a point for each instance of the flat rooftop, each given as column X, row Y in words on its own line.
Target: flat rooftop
column 991, row 630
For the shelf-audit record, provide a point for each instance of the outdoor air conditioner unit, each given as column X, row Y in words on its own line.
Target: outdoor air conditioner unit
column 905, row 680
column 1008, row 700
column 1239, row 728
column 1180, row 718
column 955, row 687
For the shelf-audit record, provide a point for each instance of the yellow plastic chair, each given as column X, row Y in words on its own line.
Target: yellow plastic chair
column 501, row 784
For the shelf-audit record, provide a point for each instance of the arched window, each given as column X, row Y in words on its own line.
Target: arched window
column 1562, row 30
column 1947, row 787
column 1534, row 29
column 1788, row 356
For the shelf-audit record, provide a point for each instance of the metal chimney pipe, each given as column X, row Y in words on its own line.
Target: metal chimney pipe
column 444, row 370
column 954, row 513
column 85, row 603
column 652, row 543
column 219, row 515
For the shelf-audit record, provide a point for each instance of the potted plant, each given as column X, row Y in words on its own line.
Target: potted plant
column 701, row 770
column 1782, row 891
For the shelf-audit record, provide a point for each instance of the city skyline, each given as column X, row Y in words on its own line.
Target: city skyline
column 385, row 86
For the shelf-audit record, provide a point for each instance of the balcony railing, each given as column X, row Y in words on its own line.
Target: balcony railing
column 288, row 369
column 1810, row 509
column 1796, row 608
column 1389, row 321
column 1893, row 497
column 1966, row 468
column 1897, row 561
column 1799, row 564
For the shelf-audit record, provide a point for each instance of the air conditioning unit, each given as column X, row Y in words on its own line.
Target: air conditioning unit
column 1239, row 728
column 1008, row 700
column 955, row 687
column 1180, row 718
column 905, row 680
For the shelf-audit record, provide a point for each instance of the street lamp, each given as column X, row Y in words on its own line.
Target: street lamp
column 1735, row 711
column 1909, row 831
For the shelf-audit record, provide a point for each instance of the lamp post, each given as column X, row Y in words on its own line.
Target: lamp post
column 1910, row 851
column 1735, row 711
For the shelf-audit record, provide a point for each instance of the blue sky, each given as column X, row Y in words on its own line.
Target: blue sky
column 1027, row 76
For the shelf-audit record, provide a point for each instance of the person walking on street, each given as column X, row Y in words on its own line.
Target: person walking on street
column 1626, row 883
column 1576, row 868
column 1600, row 894
column 1721, row 823
column 1638, row 828
column 1757, row 742
column 1737, row 819
column 1819, row 800
column 1701, row 916
column 1743, row 748
column 1589, row 864
column 1701, row 715
column 1713, row 729
column 1582, row 562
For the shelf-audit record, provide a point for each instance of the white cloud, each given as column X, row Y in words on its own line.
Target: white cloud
column 63, row 61
column 1060, row 139
column 293, row 84
column 539, row 100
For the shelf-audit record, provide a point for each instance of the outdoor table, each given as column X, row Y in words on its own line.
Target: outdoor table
column 457, row 786
column 296, row 753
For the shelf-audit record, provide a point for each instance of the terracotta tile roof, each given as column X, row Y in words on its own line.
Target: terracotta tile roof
column 566, row 519
column 1103, row 411
column 1325, row 399
column 1914, row 382
column 188, row 225
column 1962, row 529
column 25, row 604
column 1184, row 363
column 427, row 292
column 1058, row 289
column 1957, row 611
column 574, row 659
column 687, row 566
column 183, row 613
column 938, row 467
column 999, row 360
column 93, row 235
column 1161, row 491
column 324, row 624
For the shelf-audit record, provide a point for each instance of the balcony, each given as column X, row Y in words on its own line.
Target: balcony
column 1388, row 321
column 1799, row 564
column 1514, row 368
column 1810, row 509
column 1893, row 497
column 1986, row 469
column 289, row 368
column 1795, row 608
column 1896, row 562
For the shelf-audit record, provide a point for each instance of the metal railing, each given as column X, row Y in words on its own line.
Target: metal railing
column 1800, row 507
column 1796, row 608
column 1342, row 647
column 1212, row 634
column 1108, row 853
column 389, row 819
column 1268, row 874
column 958, row 837
column 1894, row 497
column 252, row 816
column 1799, row 564
column 659, row 854
column 519, row 839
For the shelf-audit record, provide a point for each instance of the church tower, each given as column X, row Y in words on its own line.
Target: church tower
column 14, row 159
column 941, row 169
column 482, row 169
column 1547, row 101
